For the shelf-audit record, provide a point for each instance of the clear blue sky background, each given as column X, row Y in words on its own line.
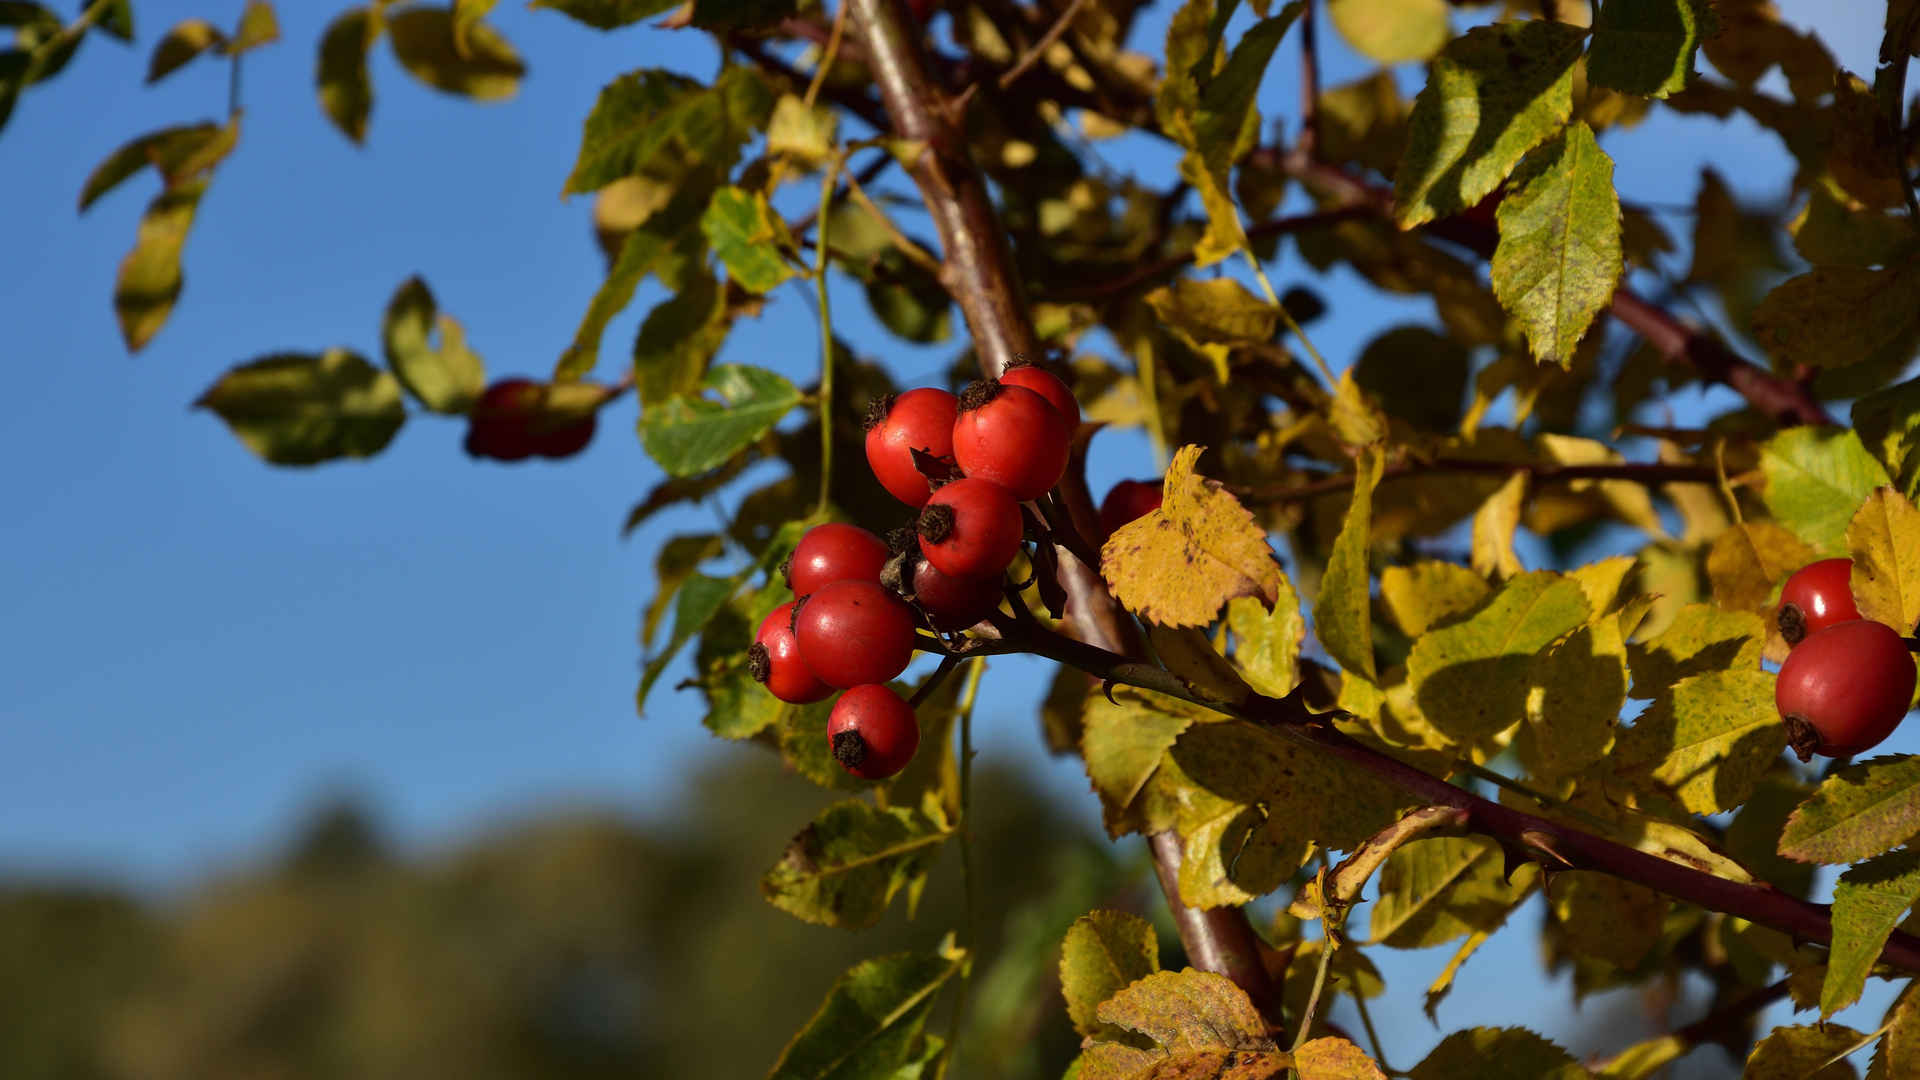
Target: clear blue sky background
column 195, row 647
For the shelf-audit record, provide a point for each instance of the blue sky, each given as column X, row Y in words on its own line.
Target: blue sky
column 197, row 646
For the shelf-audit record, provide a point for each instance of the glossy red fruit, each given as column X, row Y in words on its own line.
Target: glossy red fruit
column 920, row 419
column 952, row 603
column 1817, row 596
column 971, row 529
column 1011, row 436
column 854, row 632
column 834, row 552
column 774, row 661
column 1048, row 385
column 872, row 733
column 1845, row 688
column 1128, row 500
column 498, row 424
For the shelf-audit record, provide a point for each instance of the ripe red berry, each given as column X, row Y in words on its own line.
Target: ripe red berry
column 920, row 419
column 774, row 661
column 1845, row 688
column 1010, row 435
column 951, row 603
column 970, row 528
column 872, row 733
column 1047, row 385
column 1128, row 500
column 1817, row 596
column 854, row 632
column 565, row 440
column 834, row 552
column 512, row 420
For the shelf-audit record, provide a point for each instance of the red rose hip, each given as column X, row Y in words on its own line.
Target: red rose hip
column 970, row 529
column 834, row 552
column 952, row 603
column 854, row 632
column 774, row 661
column 872, row 733
column 920, row 419
column 1129, row 499
column 1844, row 689
column 1047, row 385
column 1817, row 596
column 1012, row 437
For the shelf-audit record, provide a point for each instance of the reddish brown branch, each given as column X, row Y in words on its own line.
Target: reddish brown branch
column 1309, row 140
column 1649, row 473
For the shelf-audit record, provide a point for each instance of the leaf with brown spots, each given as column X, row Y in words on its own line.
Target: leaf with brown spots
column 1180, row 564
column 1201, row 1027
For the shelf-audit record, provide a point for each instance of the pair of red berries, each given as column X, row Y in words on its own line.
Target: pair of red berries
column 1848, row 681
column 511, row 421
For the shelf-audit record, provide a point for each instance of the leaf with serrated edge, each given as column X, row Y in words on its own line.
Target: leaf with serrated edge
column 1330, row 1058
column 1428, row 594
column 1558, row 258
column 1266, row 644
column 1747, row 561
column 1471, row 677
column 1884, row 540
column 743, row 231
column 1493, row 527
column 1701, row 638
column 1869, row 900
column 689, row 434
column 1188, row 1010
column 1104, row 953
column 1863, row 810
column 1497, row 1054
column 1798, row 1052
column 868, row 1025
column 1646, row 47
column 1493, row 94
column 1343, row 613
column 1213, row 316
column 1708, row 741
column 1816, row 480
column 1122, row 741
column 1900, row 1050
column 1178, row 565
column 646, row 117
column 1575, row 691
column 1435, row 890
column 845, row 867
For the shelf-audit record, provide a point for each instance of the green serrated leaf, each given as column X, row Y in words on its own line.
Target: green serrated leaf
column 1832, row 316
column 847, row 866
column 693, row 433
column 1266, row 646
column 1558, row 259
column 445, row 377
column 346, row 90
column 1709, row 741
column 1104, row 953
column 302, row 409
column 1576, row 688
column 1888, row 422
column 1863, row 810
column 1123, row 740
column 423, row 39
column 745, row 233
column 1493, row 94
column 655, row 117
column 1802, row 1053
column 1497, row 1054
column 869, row 1024
column 1343, row 612
column 1646, row 47
column 1185, row 1015
column 668, row 245
column 607, row 14
column 1470, row 678
column 1869, row 900
column 1816, row 478
column 1393, row 31
column 1701, row 638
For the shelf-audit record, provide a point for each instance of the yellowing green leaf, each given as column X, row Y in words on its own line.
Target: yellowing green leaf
column 1471, row 677
column 187, row 40
column 668, row 245
column 1576, row 690
column 1493, row 528
column 607, row 14
column 1747, row 561
column 1861, row 811
column 1702, row 638
column 693, row 433
column 445, row 377
column 1832, row 316
column 1884, row 540
column 872, row 1019
column 258, row 26
column 743, row 230
column 1646, row 47
column 1343, row 613
column 1266, row 644
column 1184, row 1014
column 1558, row 259
column 1802, row 1053
column 1817, row 478
column 845, row 867
column 488, row 69
column 1833, row 230
column 1435, row 890
column 679, row 338
column 1901, row 1049
column 301, row 409
column 1331, row 1058
column 1180, row 564
column 655, row 118
column 178, row 154
column 1888, row 421
column 1213, row 316
column 150, row 278
column 1605, row 917
column 1497, row 1054
column 1493, row 94
column 1393, row 31
column 803, row 132
column 346, row 90
column 1123, row 740
column 1869, row 900
column 1104, row 953
column 1356, row 421
column 1710, row 741
column 1426, row 594
column 1630, row 501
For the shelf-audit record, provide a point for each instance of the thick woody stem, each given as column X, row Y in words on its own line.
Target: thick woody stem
column 977, row 269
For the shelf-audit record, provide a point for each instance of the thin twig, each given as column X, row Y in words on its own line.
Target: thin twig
column 1309, row 141
column 965, row 829
column 827, row 184
column 1649, row 473
column 1152, row 271
column 1032, row 57
column 919, row 255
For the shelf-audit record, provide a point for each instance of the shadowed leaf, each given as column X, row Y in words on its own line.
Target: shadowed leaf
column 302, row 409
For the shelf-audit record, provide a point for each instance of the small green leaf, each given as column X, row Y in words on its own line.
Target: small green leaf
column 748, row 237
column 150, row 279
column 1558, row 259
column 346, row 90
column 655, row 116
column 699, row 599
column 1646, row 47
column 1832, row 316
column 1869, row 900
column 1343, row 612
column 871, row 1019
column 1702, row 638
column 423, row 39
column 302, row 409
column 1817, row 478
column 1392, row 31
column 846, row 867
column 1122, row 742
column 679, row 557
column 1104, row 953
column 447, row 377
column 801, row 131
column 693, row 433
column 188, row 39
column 1576, row 688
column 1864, row 810
column 1497, row 1054
column 607, row 14
column 1213, row 316
column 678, row 339
column 1495, row 93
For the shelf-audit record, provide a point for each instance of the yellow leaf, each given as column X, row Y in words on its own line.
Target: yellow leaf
column 1200, row 668
column 1330, row 1058
column 1493, row 526
column 1267, row 643
column 1884, row 539
column 1343, row 614
column 1180, row 564
column 1748, row 561
column 1427, row 594
column 1213, row 316
column 1356, row 420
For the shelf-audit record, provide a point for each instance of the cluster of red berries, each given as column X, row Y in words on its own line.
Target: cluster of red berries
column 512, row 420
column 1848, row 681
column 966, row 464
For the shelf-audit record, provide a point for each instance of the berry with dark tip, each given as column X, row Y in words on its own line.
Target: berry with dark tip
column 774, row 661
column 854, row 632
column 970, row 529
column 1844, row 689
column 1011, row 436
column 871, row 732
column 1818, row 595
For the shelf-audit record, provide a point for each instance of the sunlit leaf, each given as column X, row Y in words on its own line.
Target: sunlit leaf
column 1178, row 565
column 1869, row 900
column 1438, row 889
column 258, row 26
column 1197, row 1023
column 1709, row 740
column 302, row 409
column 846, row 866
column 868, row 1024
column 669, row 245
column 488, row 69
column 1884, row 540
column 1817, row 478
column 188, row 39
column 1123, row 739
column 150, row 278
column 1802, row 1053
column 1213, row 316
column 1702, row 638
column 693, row 433
column 1426, row 594
column 1861, row 811
column 1497, row 1054
column 446, row 376
column 176, row 153
column 1559, row 253
column 1392, row 32
column 650, row 116
column 1471, row 676
column 1104, row 952
column 749, row 238
column 1266, row 646
column 1343, row 613
column 607, row 14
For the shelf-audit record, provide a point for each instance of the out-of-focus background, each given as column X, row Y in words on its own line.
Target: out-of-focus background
column 337, row 772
